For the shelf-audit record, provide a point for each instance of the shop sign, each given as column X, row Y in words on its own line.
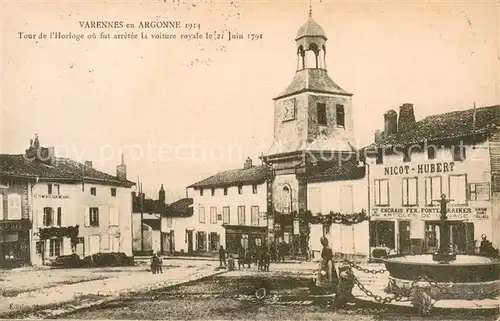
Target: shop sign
column 19, row 225
column 430, row 213
column 431, row 168
column 51, row 196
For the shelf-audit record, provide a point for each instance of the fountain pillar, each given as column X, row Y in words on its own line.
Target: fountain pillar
column 445, row 253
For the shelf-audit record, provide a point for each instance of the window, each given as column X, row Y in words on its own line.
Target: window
column 286, row 200
column 458, row 153
column 55, row 247
column 213, row 191
column 213, row 215
column 114, row 243
column 49, row 189
column 225, row 190
column 240, row 189
column 407, row 155
column 201, row 238
column 113, row 192
column 241, row 215
column 57, row 189
column 169, row 222
column 321, row 113
column 226, row 216
column 381, row 192
column 201, row 191
column 433, row 190
column 93, row 191
column 47, row 216
column 254, row 188
column 431, row 152
column 14, row 207
column 410, row 191
column 214, row 241
column 346, row 200
column 1, row 207
column 380, row 156
column 315, row 200
column 114, row 217
column 457, row 189
column 479, row 191
column 94, row 216
column 201, row 214
column 340, row 115
column 59, row 216
column 254, row 211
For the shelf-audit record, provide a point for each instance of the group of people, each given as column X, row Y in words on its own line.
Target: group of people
column 156, row 263
column 259, row 255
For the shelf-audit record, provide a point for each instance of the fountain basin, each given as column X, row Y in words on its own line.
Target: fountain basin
column 465, row 269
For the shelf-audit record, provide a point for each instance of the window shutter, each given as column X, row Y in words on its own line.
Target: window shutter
column 86, row 215
column 117, row 216
column 209, row 236
column 101, row 216
column 66, row 246
column 1, row 207
column 40, row 217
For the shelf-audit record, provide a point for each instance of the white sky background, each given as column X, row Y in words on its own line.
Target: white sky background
column 87, row 96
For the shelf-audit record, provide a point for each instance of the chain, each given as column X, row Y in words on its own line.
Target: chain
column 378, row 298
column 362, row 269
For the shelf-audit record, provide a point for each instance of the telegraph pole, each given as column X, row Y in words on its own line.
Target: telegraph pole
column 141, row 195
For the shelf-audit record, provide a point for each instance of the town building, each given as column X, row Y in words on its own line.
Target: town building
column 229, row 209
column 313, row 149
column 412, row 163
column 146, row 222
column 176, row 228
column 56, row 206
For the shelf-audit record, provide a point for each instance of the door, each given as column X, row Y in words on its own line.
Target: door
column 404, row 237
column 94, row 244
column 171, row 242
column 190, row 240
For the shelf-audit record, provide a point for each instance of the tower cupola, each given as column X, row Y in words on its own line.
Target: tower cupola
column 311, row 45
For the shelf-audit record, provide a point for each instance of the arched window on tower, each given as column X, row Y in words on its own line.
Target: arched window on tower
column 323, row 57
column 312, row 56
column 286, row 199
column 300, row 58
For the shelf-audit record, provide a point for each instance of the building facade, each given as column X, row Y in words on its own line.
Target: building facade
column 229, row 209
column 146, row 222
column 176, row 221
column 71, row 207
column 413, row 163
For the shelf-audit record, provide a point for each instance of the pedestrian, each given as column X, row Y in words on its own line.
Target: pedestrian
column 248, row 257
column 154, row 263
column 241, row 257
column 230, row 263
column 160, row 262
column 222, row 256
column 327, row 278
column 265, row 259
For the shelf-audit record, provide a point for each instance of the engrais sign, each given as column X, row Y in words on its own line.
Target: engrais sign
column 431, row 168
column 429, row 213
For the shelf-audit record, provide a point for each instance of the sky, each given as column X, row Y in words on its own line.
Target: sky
column 182, row 110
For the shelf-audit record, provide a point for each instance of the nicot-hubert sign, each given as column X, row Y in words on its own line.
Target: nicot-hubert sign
column 429, row 213
column 445, row 167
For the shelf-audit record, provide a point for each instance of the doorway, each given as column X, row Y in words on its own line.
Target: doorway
column 189, row 236
column 404, row 237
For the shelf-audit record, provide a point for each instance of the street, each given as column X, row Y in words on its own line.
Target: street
column 230, row 296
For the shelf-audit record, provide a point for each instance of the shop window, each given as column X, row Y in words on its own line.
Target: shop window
column 55, row 247
column 201, row 238
column 241, row 215
column 479, row 191
column 254, row 215
column 214, row 241
column 457, row 189
column 201, row 214
column 433, row 190
column 381, row 192
column 213, row 215
column 410, row 191
column 382, row 234
column 226, row 215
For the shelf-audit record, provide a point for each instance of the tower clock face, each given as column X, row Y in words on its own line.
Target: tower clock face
column 288, row 112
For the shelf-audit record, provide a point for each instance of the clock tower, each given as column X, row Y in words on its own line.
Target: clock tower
column 313, row 126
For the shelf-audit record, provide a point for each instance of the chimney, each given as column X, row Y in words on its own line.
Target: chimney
column 390, row 122
column 406, row 118
column 161, row 195
column 121, row 170
column 88, row 164
column 248, row 163
column 51, row 154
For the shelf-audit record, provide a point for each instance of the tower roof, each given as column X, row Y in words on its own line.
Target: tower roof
column 310, row 29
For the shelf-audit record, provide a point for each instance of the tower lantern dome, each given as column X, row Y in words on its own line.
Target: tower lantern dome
column 310, row 29
column 311, row 45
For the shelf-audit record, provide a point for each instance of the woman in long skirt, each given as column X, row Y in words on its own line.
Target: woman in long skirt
column 327, row 278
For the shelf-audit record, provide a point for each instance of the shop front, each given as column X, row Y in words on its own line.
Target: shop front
column 414, row 230
column 244, row 236
column 14, row 243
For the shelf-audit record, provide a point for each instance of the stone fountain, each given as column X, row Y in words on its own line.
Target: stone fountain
column 450, row 276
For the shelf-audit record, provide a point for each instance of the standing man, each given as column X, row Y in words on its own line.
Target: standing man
column 222, row 256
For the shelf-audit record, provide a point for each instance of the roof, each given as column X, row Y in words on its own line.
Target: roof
column 252, row 175
column 337, row 171
column 148, row 205
column 452, row 125
column 63, row 169
column 180, row 208
column 310, row 28
column 312, row 80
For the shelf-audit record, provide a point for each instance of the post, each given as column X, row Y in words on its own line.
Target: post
column 142, row 217
column 444, row 254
